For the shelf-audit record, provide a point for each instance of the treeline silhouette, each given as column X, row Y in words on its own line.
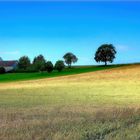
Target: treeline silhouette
column 105, row 53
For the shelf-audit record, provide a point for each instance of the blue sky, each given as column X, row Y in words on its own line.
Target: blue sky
column 54, row 28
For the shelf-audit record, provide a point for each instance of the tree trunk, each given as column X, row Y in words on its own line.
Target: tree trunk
column 105, row 63
column 69, row 65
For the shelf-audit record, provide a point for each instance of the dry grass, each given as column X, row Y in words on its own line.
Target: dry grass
column 99, row 105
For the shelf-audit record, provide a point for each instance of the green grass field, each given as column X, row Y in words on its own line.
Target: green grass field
column 28, row 76
column 100, row 105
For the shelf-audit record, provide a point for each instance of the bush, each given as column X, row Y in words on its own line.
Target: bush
column 2, row 70
column 59, row 65
column 29, row 69
column 49, row 66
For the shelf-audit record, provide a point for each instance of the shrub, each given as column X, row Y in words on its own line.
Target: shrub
column 59, row 65
column 31, row 68
column 49, row 66
column 2, row 70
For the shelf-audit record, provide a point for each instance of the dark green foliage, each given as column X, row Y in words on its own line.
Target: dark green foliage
column 105, row 53
column 49, row 66
column 70, row 58
column 39, row 63
column 24, row 62
column 2, row 70
column 59, row 65
column 29, row 69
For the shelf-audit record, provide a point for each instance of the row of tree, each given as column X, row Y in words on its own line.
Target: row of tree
column 39, row 64
column 105, row 53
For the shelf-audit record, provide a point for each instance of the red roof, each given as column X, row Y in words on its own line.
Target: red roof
column 8, row 63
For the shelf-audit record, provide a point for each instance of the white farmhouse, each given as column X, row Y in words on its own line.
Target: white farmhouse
column 8, row 65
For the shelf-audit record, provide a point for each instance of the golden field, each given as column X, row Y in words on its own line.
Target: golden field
column 102, row 105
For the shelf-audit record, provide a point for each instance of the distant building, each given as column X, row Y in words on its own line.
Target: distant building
column 8, row 65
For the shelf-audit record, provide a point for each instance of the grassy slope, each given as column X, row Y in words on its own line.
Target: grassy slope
column 98, row 105
column 28, row 76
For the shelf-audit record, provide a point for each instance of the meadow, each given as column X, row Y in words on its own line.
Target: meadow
column 99, row 105
column 8, row 77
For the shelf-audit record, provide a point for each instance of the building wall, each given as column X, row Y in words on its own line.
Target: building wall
column 9, row 68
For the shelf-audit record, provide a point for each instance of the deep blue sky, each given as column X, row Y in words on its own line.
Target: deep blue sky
column 54, row 28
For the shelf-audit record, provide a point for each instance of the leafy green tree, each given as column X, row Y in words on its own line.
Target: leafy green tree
column 49, row 66
column 31, row 68
column 105, row 53
column 39, row 63
column 70, row 58
column 59, row 65
column 24, row 62
column 2, row 70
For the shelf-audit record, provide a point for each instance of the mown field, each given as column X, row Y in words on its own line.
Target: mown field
column 101, row 105
column 8, row 77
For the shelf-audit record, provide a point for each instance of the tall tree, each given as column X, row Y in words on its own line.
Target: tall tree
column 24, row 62
column 39, row 63
column 70, row 58
column 105, row 53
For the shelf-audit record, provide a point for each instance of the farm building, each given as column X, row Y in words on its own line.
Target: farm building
column 8, row 65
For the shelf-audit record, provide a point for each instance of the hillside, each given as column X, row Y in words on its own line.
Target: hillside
column 96, row 105
column 39, row 75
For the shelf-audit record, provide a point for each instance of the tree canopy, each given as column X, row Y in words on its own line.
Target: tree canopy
column 70, row 58
column 49, row 66
column 59, row 65
column 24, row 62
column 39, row 63
column 105, row 53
